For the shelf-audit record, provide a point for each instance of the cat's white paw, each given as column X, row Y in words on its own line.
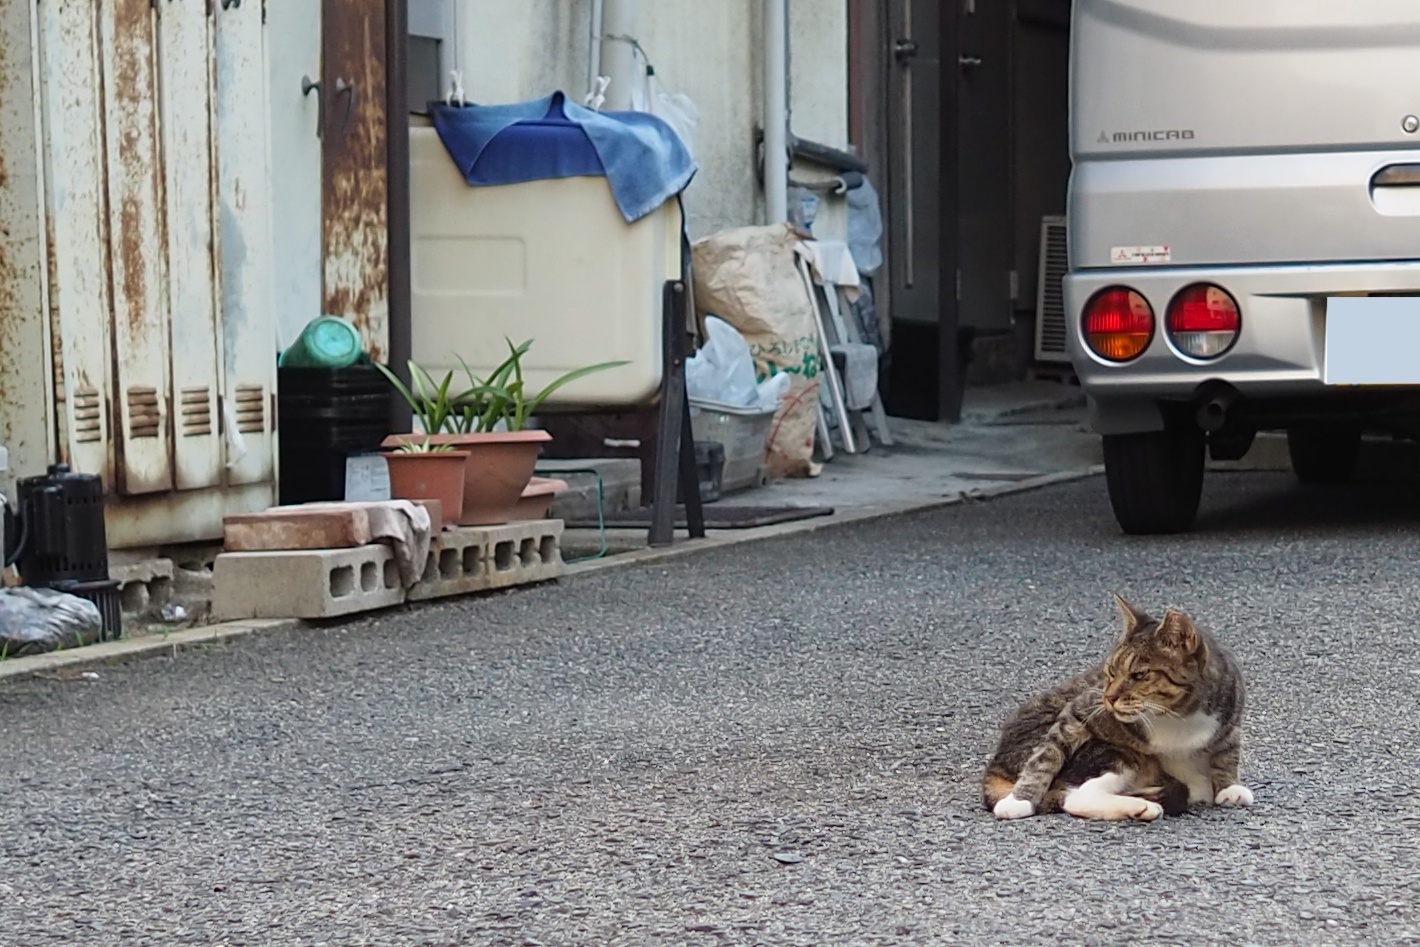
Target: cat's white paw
column 1147, row 812
column 1235, row 795
column 1009, row 807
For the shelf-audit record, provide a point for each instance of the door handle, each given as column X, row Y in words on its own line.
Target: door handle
column 1397, row 175
column 307, row 87
column 346, row 89
column 904, row 50
column 228, row 4
column 968, row 62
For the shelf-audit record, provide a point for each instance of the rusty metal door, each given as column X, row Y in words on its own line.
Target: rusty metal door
column 185, row 48
column 244, row 213
column 355, row 238
column 79, row 287
column 128, row 48
column 293, row 60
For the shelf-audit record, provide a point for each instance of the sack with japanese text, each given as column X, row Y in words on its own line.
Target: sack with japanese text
column 747, row 276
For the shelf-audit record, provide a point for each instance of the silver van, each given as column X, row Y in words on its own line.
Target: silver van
column 1240, row 167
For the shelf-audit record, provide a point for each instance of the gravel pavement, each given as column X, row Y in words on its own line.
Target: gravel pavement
column 776, row 743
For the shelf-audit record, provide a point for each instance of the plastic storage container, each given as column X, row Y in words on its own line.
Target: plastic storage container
column 744, row 433
column 709, row 472
column 547, row 260
column 326, row 415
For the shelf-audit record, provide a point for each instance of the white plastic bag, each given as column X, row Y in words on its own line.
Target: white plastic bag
column 677, row 111
column 773, row 390
column 680, row 113
column 723, row 369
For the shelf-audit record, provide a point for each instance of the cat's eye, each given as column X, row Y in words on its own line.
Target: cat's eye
column 1139, row 675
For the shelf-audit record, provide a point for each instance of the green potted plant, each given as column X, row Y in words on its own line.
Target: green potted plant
column 488, row 420
column 421, row 470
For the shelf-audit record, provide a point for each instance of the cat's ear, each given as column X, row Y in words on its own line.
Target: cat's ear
column 1130, row 618
column 1177, row 633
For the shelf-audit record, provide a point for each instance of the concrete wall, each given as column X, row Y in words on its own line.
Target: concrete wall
column 708, row 51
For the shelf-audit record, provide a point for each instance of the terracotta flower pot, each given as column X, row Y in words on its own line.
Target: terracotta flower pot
column 437, row 476
column 498, row 466
column 537, row 498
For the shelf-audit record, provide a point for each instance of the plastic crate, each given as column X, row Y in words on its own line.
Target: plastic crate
column 744, row 433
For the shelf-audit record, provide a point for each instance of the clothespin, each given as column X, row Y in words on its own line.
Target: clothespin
column 455, row 93
column 597, row 96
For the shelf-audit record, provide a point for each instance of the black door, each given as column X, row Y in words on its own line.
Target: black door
column 916, row 259
column 984, row 238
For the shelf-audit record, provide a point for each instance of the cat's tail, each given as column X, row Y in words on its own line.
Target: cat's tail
column 995, row 787
column 1172, row 796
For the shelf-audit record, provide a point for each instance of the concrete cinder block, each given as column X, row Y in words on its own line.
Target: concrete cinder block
column 478, row 558
column 457, row 563
column 519, row 553
column 144, row 584
column 304, row 583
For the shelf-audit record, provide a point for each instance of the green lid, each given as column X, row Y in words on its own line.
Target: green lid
column 326, row 342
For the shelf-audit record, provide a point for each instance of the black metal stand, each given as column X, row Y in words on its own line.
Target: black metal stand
column 675, row 445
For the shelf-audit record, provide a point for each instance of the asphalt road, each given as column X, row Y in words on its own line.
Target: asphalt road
column 773, row 744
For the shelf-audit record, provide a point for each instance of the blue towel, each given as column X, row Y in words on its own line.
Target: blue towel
column 642, row 158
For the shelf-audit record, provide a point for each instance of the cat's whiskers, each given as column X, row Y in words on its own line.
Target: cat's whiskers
column 1158, row 710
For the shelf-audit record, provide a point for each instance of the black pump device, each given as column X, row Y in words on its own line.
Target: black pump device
column 62, row 542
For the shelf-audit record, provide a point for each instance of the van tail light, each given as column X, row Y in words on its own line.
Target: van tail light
column 1203, row 321
column 1118, row 323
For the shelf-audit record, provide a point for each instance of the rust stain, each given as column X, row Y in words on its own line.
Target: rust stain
column 354, row 205
column 56, row 337
column 8, row 276
column 133, row 25
column 130, row 248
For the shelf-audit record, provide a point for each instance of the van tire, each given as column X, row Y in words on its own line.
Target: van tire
column 1324, row 453
column 1155, row 479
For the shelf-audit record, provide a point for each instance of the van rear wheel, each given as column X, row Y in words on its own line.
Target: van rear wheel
column 1155, row 479
column 1324, row 453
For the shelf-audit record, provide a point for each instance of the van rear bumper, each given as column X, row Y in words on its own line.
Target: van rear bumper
column 1275, row 369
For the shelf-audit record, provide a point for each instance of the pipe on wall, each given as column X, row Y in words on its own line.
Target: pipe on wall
column 618, row 54
column 594, row 47
column 397, row 198
column 776, row 111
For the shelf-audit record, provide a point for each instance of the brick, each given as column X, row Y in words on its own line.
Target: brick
column 304, row 583
column 295, row 527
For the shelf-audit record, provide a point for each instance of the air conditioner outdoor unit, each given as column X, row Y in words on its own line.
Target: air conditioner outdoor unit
column 1050, row 325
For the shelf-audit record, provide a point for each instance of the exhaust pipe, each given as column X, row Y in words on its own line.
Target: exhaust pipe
column 1212, row 413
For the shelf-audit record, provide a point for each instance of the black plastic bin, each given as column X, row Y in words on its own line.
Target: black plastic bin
column 326, row 415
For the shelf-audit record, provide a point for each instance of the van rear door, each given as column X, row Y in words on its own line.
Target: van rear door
column 1226, row 132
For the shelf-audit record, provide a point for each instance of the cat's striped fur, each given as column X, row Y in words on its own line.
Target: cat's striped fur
column 1154, row 728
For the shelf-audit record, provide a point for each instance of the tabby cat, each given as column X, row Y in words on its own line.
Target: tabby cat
column 1154, row 728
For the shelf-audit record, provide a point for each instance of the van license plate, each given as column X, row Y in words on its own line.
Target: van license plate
column 1372, row 340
